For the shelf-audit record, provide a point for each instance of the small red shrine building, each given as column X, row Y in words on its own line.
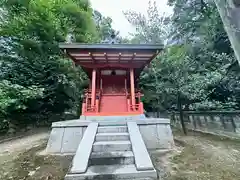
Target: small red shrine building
column 113, row 70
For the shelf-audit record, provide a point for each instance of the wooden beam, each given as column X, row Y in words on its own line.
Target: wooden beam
column 119, row 57
column 93, row 59
column 105, row 65
column 106, row 57
column 153, row 57
column 71, row 57
column 133, row 56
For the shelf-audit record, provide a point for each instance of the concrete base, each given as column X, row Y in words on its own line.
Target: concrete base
column 127, row 172
column 66, row 135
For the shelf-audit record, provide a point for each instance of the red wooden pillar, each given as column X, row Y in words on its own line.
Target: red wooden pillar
column 93, row 87
column 132, row 87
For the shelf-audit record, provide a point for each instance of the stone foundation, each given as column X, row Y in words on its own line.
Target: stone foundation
column 66, row 135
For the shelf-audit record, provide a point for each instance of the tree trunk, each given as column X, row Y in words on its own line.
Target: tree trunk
column 179, row 104
column 229, row 11
column 158, row 109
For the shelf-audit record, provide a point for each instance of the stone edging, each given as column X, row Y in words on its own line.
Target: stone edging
column 80, row 160
column 80, row 123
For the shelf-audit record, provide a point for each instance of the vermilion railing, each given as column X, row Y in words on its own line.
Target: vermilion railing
column 138, row 104
column 86, row 106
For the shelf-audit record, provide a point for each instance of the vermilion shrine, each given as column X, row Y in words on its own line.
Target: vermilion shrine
column 112, row 137
column 113, row 70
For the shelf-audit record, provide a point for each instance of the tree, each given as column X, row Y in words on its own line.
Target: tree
column 199, row 23
column 152, row 28
column 195, row 71
column 230, row 14
column 104, row 25
column 38, row 80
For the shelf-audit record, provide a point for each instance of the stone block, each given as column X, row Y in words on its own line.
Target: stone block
column 228, row 124
column 191, row 124
column 55, row 140
column 218, row 123
column 236, row 120
column 165, row 137
column 71, row 139
column 150, row 136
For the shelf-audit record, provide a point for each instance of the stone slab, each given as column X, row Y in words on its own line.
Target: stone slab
column 113, row 172
column 112, row 158
column 112, row 137
column 108, row 146
column 55, row 140
column 71, row 139
column 80, row 160
column 165, row 136
column 150, row 136
column 142, row 158
column 80, row 123
column 112, row 154
column 112, row 129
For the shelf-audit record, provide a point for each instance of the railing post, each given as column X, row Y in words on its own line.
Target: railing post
column 132, row 87
column 141, row 107
column 97, row 105
column 128, row 105
column 86, row 105
column 93, row 96
column 83, row 108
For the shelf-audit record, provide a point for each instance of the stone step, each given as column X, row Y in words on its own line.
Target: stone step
column 112, row 129
column 108, row 146
column 110, row 158
column 112, row 137
column 110, row 172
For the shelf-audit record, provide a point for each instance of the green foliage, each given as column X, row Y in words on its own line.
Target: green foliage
column 197, row 69
column 103, row 25
column 15, row 97
column 36, row 80
column 152, row 28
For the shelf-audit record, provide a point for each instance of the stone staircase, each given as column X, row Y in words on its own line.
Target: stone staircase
column 112, row 157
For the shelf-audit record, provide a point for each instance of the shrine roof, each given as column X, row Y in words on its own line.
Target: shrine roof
column 111, row 55
column 111, row 46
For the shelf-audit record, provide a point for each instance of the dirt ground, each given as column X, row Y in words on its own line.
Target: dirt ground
column 196, row 157
column 199, row 156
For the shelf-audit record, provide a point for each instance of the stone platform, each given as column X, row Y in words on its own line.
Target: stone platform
column 66, row 135
column 110, row 149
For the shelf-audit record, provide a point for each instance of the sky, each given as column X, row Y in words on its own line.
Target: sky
column 115, row 8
